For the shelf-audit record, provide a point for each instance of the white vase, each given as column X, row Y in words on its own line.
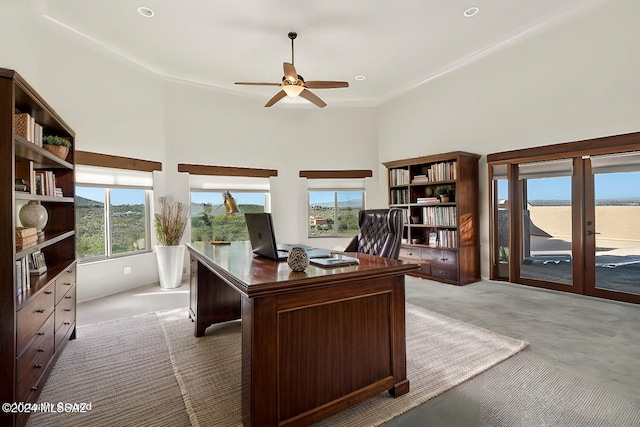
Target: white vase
column 170, row 262
column 33, row 214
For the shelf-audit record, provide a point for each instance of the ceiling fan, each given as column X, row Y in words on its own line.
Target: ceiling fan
column 294, row 85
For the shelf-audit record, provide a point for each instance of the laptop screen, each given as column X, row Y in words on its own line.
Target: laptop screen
column 261, row 234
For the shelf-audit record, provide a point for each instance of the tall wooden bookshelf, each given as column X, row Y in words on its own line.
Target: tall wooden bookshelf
column 38, row 315
column 442, row 236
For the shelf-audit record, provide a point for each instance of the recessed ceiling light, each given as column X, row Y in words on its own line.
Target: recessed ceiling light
column 146, row 12
column 360, row 77
column 472, row 11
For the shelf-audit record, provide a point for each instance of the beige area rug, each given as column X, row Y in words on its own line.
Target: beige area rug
column 151, row 370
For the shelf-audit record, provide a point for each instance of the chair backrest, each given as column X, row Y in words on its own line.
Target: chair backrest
column 380, row 232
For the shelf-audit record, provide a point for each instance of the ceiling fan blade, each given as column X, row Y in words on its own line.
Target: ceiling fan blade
column 310, row 96
column 277, row 97
column 257, row 83
column 321, row 84
column 290, row 72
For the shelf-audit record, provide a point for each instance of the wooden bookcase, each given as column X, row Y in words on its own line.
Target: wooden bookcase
column 38, row 319
column 443, row 237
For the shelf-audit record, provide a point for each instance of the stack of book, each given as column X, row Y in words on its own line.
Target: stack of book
column 420, row 179
column 26, row 236
column 427, row 200
column 21, row 185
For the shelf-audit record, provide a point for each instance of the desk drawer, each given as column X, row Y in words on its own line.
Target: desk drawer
column 32, row 316
column 33, row 361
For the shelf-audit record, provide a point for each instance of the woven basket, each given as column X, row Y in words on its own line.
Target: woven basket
column 59, row 150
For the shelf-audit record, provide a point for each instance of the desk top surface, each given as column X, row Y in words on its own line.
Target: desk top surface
column 253, row 275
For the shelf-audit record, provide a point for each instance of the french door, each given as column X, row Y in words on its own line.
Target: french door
column 569, row 223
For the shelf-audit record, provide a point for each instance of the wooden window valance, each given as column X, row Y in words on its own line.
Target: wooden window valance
column 226, row 171
column 336, row 174
column 117, row 162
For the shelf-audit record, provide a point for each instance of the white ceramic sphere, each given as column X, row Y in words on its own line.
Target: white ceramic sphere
column 33, row 214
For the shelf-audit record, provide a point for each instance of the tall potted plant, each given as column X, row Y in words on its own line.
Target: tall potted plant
column 170, row 223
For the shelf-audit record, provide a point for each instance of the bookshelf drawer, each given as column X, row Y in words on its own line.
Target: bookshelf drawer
column 444, row 272
column 65, row 282
column 32, row 316
column 33, row 361
column 410, row 253
column 66, row 309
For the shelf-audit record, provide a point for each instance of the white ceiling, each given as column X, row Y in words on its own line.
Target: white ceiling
column 397, row 45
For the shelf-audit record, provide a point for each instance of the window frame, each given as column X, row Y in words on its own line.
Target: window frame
column 234, row 192
column 336, row 224
column 107, row 223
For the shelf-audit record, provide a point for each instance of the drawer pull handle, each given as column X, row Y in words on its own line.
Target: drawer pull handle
column 67, row 284
column 67, row 297
column 40, row 350
column 38, row 366
column 40, row 333
column 66, row 323
column 34, row 388
column 67, row 309
column 40, row 310
column 444, row 259
column 47, row 292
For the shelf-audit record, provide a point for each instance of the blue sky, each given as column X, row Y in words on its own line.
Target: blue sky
column 608, row 186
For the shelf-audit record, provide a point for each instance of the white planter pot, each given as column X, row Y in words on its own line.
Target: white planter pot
column 170, row 261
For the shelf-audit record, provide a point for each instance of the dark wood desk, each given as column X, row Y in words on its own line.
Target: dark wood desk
column 313, row 343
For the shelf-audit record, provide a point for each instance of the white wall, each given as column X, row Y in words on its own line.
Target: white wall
column 116, row 107
column 578, row 80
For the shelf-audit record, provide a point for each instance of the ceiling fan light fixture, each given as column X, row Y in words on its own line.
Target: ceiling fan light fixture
column 292, row 90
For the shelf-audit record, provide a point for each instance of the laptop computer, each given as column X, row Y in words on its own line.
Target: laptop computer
column 263, row 239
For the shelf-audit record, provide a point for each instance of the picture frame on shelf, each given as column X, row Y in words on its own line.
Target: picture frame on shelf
column 37, row 264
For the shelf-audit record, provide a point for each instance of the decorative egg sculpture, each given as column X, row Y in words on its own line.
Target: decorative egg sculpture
column 298, row 259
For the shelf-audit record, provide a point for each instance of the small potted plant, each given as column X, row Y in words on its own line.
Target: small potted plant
column 56, row 145
column 445, row 192
column 170, row 223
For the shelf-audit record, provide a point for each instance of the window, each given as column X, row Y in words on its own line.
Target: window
column 111, row 221
column 209, row 220
column 112, row 212
column 334, row 213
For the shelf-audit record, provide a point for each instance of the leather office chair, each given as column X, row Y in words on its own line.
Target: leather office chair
column 380, row 232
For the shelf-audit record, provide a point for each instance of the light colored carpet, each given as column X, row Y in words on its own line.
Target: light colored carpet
column 123, row 368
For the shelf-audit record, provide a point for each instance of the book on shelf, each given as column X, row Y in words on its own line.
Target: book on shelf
column 398, row 176
column 439, row 215
column 443, row 171
column 23, row 283
column 45, row 183
column 25, row 126
column 400, row 197
column 448, row 238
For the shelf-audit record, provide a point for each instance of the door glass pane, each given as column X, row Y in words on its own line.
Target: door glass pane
column 502, row 200
column 128, row 227
column 546, row 216
column 617, row 227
